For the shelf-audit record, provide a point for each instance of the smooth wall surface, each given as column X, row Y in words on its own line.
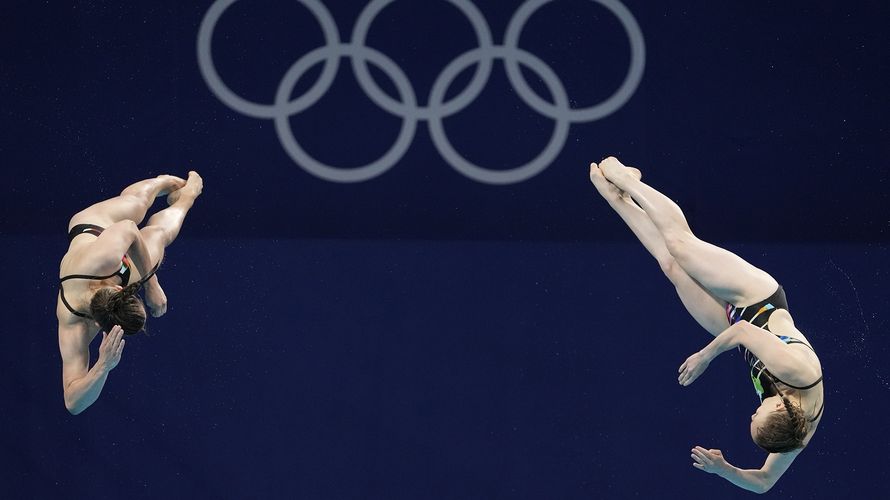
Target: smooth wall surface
column 374, row 369
column 434, row 330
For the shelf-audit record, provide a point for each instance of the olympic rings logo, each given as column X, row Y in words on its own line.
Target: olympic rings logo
column 407, row 107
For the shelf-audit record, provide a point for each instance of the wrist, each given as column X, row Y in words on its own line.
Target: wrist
column 101, row 368
column 708, row 353
column 728, row 471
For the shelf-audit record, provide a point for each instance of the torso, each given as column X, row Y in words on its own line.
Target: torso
column 811, row 400
column 81, row 259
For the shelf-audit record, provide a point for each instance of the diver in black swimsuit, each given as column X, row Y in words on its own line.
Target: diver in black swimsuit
column 744, row 308
column 107, row 250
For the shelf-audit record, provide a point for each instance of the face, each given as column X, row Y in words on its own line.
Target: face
column 767, row 407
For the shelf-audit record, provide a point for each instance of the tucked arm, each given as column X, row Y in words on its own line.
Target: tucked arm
column 81, row 384
column 124, row 238
column 784, row 361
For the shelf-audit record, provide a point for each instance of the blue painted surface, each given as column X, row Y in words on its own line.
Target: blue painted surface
column 375, row 369
column 422, row 335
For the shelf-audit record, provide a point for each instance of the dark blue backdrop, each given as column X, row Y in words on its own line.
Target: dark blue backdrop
column 421, row 334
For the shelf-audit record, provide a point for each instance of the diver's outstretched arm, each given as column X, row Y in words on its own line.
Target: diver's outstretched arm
column 756, row 480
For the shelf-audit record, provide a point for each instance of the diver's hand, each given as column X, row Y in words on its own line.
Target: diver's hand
column 693, row 367
column 110, row 349
column 156, row 299
column 710, row 461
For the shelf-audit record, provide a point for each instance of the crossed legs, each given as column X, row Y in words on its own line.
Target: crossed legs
column 163, row 227
column 132, row 204
column 705, row 276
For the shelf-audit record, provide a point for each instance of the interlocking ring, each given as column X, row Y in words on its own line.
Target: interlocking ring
column 436, row 109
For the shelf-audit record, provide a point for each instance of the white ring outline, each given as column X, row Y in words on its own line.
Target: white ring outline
column 327, row 172
column 382, row 99
column 435, row 111
column 596, row 111
column 250, row 108
column 507, row 176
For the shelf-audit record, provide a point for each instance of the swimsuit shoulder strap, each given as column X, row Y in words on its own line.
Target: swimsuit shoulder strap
column 80, row 277
column 68, row 306
column 789, row 341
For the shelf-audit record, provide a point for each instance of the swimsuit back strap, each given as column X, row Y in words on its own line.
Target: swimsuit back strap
column 82, row 277
column 69, row 307
column 814, row 384
column 819, row 413
column 796, row 341
column 91, row 277
column 87, row 277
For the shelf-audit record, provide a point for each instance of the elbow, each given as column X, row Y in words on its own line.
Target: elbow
column 132, row 228
column 73, row 407
column 128, row 227
column 764, row 487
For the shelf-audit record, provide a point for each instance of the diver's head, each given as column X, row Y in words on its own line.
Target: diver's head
column 115, row 305
column 778, row 426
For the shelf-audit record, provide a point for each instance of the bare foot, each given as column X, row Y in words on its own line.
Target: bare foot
column 171, row 183
column 635, row 173
column 606, row 189
column 597, row 177
column 192, row 189
column 614, row 171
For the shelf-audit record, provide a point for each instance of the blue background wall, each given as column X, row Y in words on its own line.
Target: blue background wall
column 423, row 335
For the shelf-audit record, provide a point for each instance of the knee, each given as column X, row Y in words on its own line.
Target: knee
column 670, row 268
column 679, row 244
column 139, row 201
column 156, row 237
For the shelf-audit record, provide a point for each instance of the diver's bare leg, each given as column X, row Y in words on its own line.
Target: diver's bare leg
column 706, row 309
column 160, row 231
column 163, row 227
column 724, row 274
column 132, row 204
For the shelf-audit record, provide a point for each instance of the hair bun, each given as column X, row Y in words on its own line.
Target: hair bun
column 131, row 289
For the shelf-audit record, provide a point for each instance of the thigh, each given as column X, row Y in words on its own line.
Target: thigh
column 722, row 273
column 107, row 212
column 155, row 241
column 707, row 310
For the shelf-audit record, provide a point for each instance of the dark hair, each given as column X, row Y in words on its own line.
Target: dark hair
column 111, row 307
column 783, row 431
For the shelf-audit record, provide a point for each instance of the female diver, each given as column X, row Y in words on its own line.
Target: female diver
column 108, row 260
column 742, row 306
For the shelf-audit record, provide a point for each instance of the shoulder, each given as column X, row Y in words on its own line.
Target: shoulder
column 74, row 335
column 71, row 326
column 96, row 258
column 782, row 323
